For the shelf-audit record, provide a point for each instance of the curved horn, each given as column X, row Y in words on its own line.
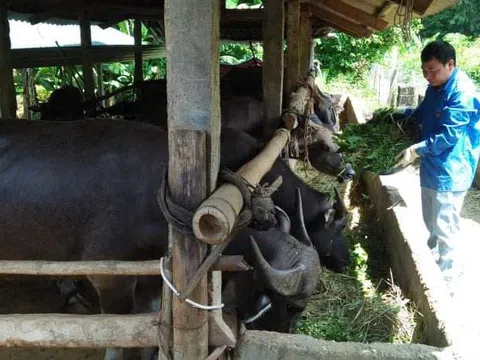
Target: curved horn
column 301, row 233
column 339, row 205
column 284, row 224
column 283, row 282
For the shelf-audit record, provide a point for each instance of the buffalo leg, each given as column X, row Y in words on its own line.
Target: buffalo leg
column 116, row 296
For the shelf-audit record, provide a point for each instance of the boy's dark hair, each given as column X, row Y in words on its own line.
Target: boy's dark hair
column 440, row 50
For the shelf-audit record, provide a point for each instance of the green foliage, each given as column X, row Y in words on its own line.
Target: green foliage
column 352, row 57
column 461, row 18
column 232, row 4
column 373, row 145
column 234, row 53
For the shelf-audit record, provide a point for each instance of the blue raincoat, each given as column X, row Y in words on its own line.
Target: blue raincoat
column 450, row 146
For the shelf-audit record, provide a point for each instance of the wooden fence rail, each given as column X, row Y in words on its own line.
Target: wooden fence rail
column 86, row 331
column 106, row 267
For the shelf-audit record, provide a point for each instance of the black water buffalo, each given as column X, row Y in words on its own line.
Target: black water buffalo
column 63, row 104
column 324, row 220
column 85, row 190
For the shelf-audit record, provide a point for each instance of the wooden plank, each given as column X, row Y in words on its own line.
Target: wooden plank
column 8, row 101
column 87, row 69
column 339, row 23
column 86, row 331
column 351, row 13
column 72, row 55
column 194, row 132
column 293, row 46
column 273, row 68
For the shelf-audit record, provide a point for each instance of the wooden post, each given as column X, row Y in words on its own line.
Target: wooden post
column 194, row 135
column 293, row 46
column 100, row 84
column 86, row 39
column 305, row 42
column 8, row 100
column 273, row 36
column 138, row 76
column 29, row 97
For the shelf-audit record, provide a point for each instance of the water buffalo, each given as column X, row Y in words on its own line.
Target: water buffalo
column 85, row 190
column 324, row 220
column 64, row 104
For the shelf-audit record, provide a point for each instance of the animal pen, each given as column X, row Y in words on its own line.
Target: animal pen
column 183, row 331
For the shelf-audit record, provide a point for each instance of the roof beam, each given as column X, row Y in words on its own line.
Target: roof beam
column 419, row 6
column 66, row 9
column 340, row 23
column 385, row 9
column 351, row 13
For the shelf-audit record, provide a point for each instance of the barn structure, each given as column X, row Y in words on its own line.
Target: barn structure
column 191, row 30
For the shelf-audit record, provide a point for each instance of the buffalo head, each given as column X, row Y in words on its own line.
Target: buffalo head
column 285, row 277
column 322, row 151
column 328, row 236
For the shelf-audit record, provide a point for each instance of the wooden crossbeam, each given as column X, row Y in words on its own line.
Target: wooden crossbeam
column 351, row 13
column 419, row 6
column 67, row 9
column 339, row 23
column 385, row 9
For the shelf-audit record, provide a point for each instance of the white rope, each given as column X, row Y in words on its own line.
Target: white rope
column 188, row 301
column 259, row 314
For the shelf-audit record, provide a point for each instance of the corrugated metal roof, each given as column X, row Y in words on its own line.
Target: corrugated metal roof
column 24, row 35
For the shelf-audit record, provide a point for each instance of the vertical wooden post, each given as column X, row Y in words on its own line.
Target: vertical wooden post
column 87, row 69
column 100, row 83
column 305, row 42
column 138, row 76
column 8, row 100
column 28, row 76
column 273, row 36
column 194, row 134
column 293, row 45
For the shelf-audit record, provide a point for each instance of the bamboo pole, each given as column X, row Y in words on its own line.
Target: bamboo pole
column 105, row 267
column 298, row 102
column 87, row 331
column 214, row 219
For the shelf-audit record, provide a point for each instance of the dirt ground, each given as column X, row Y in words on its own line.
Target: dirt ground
column 32, row 295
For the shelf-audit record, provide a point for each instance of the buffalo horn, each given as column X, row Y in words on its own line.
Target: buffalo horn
column 283, row 282
column 301, row 233
column 284, row 224
column 340, row 205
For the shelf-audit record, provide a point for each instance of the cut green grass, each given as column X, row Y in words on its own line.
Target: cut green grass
column 363, row 304
column 374, row 145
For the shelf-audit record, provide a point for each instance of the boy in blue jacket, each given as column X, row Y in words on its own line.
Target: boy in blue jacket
column 449, row 149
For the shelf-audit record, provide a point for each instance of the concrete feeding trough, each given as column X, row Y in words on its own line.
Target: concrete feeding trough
column 447, row 321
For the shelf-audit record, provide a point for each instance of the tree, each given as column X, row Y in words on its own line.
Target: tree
column 461, row 18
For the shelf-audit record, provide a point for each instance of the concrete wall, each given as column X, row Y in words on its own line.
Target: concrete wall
column 264, row 345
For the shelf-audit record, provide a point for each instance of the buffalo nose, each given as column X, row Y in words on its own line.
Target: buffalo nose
column 347, row 174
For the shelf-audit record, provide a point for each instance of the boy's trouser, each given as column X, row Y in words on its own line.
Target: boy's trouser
column 441, row 213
